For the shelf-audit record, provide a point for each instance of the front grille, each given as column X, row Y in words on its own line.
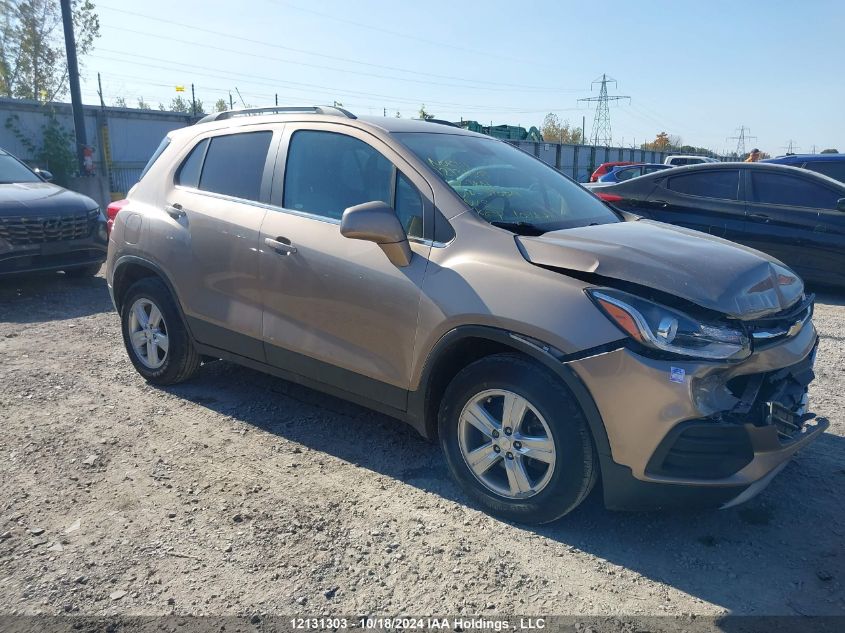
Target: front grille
column 778, row 326
column 40, row 229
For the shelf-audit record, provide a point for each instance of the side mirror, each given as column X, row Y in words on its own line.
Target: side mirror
column 377, row 222
column 43, row 174
column 840, row 204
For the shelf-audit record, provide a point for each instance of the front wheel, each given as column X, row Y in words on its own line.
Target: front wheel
column 516, row 440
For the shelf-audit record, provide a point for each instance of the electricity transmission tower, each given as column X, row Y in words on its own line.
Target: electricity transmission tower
column 790, row 147
column 740, row 140
column 601, row 134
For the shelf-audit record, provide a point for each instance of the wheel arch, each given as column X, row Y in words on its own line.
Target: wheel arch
column 130, row 269
column 465, row 344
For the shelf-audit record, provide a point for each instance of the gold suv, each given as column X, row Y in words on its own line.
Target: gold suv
column 459, row 284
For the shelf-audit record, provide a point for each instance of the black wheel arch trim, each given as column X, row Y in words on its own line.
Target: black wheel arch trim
column 154, row 268
column 424, row 419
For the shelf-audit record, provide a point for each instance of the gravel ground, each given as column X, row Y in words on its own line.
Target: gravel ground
column 239, row 493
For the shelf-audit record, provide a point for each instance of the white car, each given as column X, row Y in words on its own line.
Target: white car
column 680, row 160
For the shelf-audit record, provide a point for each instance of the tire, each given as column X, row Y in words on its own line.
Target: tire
column 552, row 419
column 180, row 360
column 90, row 270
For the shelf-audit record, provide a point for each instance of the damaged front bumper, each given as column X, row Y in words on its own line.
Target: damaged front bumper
column 714, row 433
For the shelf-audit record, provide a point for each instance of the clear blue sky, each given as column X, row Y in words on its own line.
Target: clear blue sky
column 695, row 69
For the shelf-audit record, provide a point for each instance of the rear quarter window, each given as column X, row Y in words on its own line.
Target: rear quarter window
column 159, row 151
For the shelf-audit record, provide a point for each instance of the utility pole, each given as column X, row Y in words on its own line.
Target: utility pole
column 193, row 101
column 277, row 98
column 740, row 140
column 73, row 80
column 601, row 134
column 231, row 103
column 790, row 147
column 100, row 91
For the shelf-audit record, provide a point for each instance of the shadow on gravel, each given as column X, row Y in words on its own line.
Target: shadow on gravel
column 739, row 559
column 51, row 297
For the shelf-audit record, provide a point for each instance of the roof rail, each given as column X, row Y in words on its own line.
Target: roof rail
column 441, row 122
column 228, row 114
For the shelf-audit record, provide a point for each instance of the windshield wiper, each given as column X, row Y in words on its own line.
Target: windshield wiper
column 520, row 228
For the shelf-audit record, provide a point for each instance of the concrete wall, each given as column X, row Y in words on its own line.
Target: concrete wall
column 123, row 139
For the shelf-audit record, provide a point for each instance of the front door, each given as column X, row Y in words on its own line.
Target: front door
column 219, row 199
column 335, row 309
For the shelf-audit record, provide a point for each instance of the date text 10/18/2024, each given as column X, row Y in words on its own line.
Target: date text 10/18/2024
column 420, row 624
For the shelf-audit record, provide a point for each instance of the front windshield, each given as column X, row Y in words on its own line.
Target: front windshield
column 12, row 170
column 505, row 186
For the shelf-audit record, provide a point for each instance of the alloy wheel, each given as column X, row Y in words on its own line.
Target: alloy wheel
column 148, row 333
column 506, row 443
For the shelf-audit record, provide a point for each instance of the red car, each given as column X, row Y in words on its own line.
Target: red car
column 606, row 167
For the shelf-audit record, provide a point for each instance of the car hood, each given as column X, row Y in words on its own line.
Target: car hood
column 708, row 271
column 41, row 197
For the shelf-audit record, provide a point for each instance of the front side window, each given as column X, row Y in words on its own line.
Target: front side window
column 409, row 206
column 785, row 189
column 505, row 186
column 12, row 170
column 234, row 164
column 707, row 184
column 327, row 172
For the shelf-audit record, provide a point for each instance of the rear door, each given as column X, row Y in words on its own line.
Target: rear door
column 336, row 310
column 705, row 200
column 794, row 218
column 219, row 198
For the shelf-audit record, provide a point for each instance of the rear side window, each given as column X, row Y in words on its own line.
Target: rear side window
column 189, row 173
column 785, row 189
column 234, row 164
column 835, row 170
column 327, row 172
column 707, row 184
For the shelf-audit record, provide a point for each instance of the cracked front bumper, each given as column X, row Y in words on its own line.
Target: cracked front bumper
column 685, row 432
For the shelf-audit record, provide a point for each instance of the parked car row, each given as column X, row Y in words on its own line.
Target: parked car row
column 795, row 215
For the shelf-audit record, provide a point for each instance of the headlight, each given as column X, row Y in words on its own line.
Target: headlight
column 669, row 330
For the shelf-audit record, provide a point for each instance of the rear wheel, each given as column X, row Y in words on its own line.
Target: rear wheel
column 516, row 440
column 156, row 339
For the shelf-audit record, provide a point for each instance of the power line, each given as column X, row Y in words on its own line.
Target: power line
column 601, row 122
column 790, row 147
column 740, row 139
column 464, row 80
column 165, row 64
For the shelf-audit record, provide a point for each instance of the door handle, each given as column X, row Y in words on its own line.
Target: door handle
column 281, row 245
column 759, row 217
column 175, row 211
column 660, row 203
